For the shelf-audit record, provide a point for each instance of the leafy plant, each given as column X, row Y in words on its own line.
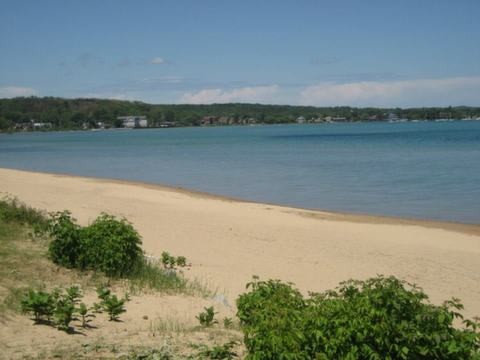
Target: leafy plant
column 85, row 316
column 112, row 246
column 66, row 245
column 218, row 352
column 38, row 303
column 181, row 261
column 108, row 244
column 73, row 294
column 103, row 292
column 114, row 307
column 380, row 318
column 168, row 260
column 207, row 317
column 64, row 310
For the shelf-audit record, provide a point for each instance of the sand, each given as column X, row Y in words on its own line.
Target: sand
column 228, row 241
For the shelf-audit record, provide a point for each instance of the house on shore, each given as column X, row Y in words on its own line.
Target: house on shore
column 133, row 121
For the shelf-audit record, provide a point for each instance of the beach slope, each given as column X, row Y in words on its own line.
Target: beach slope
column 228, row 241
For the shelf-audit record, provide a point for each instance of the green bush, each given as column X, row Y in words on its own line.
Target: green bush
column 111, row 303
column 65, row 248
column 40, row 304
column 168, row 260
column 63, row 314
column 380, row 318
column 109, row 245
column 114, row 307
column 85, row 316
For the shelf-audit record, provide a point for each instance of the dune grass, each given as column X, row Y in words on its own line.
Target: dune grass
column 25, row 263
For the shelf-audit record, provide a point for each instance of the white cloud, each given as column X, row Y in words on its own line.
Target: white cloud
column 254, row 94
column 420, row 92
column 14, row 91
column 158, row 61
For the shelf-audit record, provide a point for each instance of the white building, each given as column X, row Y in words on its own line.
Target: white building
column 134, row 121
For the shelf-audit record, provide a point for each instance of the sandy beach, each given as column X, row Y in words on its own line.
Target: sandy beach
column 228, row 241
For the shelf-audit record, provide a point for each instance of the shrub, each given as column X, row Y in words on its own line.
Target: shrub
column 85, row 316
column 168, row 260
column 206, row 318
column 110, row 303
column 73, row 294
column 114, row 307
column 64, row 309
column 181, row 261
column 66, row 245
column 108, row 245
column 380, row 318
column 38, row 303
column 271, row 317
column 111, row 245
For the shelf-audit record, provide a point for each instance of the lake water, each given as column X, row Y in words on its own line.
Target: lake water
column 418, row 170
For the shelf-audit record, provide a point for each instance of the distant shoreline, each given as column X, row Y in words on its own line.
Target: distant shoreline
column 10, row 132
column 35, row 113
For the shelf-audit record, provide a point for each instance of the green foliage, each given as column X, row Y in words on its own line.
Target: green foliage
column 108, row 245
column 114, row 307
column 168, row 260
column 40, row 304
column 207, row 317
column 74, row 113
column 85, row 316
column 66, row 245
column 181, row 261
column 271, row 316
column 103, row 292
column 110, row 303
column 218, row 352
column 73, row 294
column 43, row 305
column 63, row 314
column 380, row 318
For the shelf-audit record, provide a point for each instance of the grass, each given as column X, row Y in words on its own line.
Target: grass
column 14, row 211
column 168, row 325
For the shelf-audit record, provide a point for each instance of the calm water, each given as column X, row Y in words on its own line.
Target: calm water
column 419, row 170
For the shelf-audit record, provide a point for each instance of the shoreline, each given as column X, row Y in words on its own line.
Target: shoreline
column 322, row 214
column 229, row 240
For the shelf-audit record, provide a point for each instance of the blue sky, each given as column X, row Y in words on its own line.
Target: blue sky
column 359, row 53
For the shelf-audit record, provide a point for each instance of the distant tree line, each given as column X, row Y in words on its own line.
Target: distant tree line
column 84, row 113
